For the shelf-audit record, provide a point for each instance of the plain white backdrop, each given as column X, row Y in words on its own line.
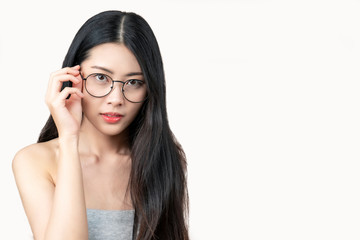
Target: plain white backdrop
column 263, row 95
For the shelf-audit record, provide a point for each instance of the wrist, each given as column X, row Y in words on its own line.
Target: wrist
column 71, row 140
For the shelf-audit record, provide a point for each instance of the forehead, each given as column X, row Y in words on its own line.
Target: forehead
column 114, row 56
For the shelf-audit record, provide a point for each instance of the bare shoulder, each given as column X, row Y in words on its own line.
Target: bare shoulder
column 39, row 158
column 34, row 169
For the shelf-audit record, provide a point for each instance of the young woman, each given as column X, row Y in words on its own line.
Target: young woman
column 106, row 165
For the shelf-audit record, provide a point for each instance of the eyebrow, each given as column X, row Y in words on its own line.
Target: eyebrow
column 111, row 72
column 102, row 68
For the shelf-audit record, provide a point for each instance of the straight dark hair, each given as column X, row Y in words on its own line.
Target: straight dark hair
column 158, row 171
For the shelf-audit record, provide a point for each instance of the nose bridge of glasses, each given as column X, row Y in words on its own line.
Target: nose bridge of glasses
column 116, row 92
column 121, row 84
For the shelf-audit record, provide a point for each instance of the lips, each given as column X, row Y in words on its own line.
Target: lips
column 111, row 117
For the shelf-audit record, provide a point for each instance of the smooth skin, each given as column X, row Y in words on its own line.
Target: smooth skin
column 88, row 165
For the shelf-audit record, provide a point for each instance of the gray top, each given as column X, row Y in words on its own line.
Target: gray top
column 110, row 224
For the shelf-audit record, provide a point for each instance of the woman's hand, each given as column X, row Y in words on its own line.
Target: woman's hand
column 67, row 113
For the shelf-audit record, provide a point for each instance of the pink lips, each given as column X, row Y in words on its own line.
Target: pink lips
column 111, row 117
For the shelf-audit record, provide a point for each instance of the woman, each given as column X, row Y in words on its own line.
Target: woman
column 106, row 165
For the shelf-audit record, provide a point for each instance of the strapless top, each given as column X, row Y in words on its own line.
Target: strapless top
column 110, row 224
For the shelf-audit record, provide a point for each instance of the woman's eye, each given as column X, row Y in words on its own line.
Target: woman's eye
column 101, row 77
column 134, row 83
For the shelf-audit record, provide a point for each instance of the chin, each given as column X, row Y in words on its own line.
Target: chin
column 112, row 130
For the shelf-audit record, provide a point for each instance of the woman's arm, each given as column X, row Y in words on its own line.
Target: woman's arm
column 68, row 216
column 55, row 212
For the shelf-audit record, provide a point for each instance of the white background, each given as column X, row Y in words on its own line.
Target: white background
column 263, row 95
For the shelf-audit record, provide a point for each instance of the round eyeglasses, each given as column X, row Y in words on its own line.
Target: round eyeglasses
column 99, row 85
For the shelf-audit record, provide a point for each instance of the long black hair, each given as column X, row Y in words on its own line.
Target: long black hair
column 158, row 173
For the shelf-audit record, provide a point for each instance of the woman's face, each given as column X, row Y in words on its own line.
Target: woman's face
column 112, row 113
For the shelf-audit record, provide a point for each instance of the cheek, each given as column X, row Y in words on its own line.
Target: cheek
column 134, row 111
column 84, row 104
column 88, row 106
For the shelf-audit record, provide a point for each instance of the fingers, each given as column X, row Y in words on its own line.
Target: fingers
column 57, row 79
column 63, row 75
column 66, row 91
column 65, row 78
column 67, row 114
column 67, row 70
column 79, row 84
column 54, row 101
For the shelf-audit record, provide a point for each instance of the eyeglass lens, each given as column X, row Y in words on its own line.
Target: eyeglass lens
column 99, row 85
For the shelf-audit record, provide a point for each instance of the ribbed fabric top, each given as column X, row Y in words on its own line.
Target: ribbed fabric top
column 110, row 224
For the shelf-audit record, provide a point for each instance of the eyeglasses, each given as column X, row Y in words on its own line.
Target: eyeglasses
column 99, row 85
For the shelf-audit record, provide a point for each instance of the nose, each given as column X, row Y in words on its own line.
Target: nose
column 116, row 96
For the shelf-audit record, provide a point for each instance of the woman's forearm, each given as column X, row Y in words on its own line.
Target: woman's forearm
column 68, row 215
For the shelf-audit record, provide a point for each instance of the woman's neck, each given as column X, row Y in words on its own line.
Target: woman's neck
column 93, row 142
